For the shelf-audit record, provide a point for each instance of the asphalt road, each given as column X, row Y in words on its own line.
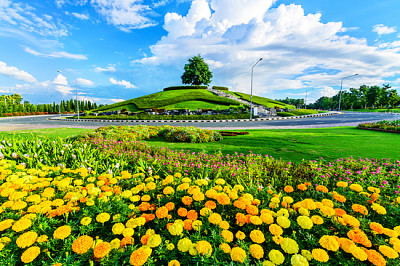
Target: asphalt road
column 346, row 119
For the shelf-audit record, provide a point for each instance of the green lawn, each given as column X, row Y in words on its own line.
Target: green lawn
column 292, row 145
column 261, row 100
column 52, row 133
column 375, row 110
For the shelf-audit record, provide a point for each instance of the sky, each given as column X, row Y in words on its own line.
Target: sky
column 112, row 50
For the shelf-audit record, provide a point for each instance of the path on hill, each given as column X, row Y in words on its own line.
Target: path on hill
column 346, row 119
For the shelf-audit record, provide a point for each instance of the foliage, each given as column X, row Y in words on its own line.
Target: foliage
column 167, row 117
column 347, row 210
column 192, row 87
column 220, row 88
column 196, row 72
column 298, row 112
column 295, row 102
column 384, row 125
column 263, row 101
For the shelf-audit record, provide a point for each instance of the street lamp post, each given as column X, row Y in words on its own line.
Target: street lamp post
column 305, row 101
column 341, row 85
column 76, row 92
column 251, row 89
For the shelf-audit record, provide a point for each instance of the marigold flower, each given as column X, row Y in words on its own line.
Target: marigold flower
column 346, row 244
column 275, row 229
column 174, row 263
column 223, row 199
column 309, row 204
column 204, row 248
column 388, row 252
column 240, row 235
column 252, row 210
column 128, row 240
column 62, row 232
column 30, row 254
column 101, row 250
column 154, row 241
column 140, row 256
column 257, row 236
column 26, row 239
column 340, row 212
column 302, row 187
column 329, row 243
column 196, row 225
column 184, row 244
column 238, row 254
column 192, row 215
column 82, row 244
column 341, row 184
column 320, row 255
column 225, row 248
column 86, row 220
column 376, row 227
column 375, row 257
column 356, row 187
column 118, row 228
column 290, row 246
column 162, row 212
column 187, row 200
column 305, row 222
column 103, row 217
column 256, row 251
column 299, row 260
column 175, row 229
column 322, row 189
column 21, row 225
column 339, row 198
column 276, row 257
column 288, row 189
column 350, row 220
column 182, row 212
column 360, row 209
column 227, row 236
column 215, row 218
column 283, row 221
column 4, row 225
column 390, row 233
column 358, row 236
column 359, row 253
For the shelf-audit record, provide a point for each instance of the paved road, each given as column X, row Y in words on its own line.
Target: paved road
column 346, row 119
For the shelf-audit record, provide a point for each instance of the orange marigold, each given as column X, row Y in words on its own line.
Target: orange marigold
column 128, row 240
column 223, row 199
column 170, row 206
column 162, row 212
column 339, row 197
column 101, row 250
column 187, row 200
column 192, row 215
column 302, row 187
column 144, row 239
column 360, row 209
column 182, row 212
column 140, row 256
column 376, row 227
column 210, row 204
column 322, row 188
column 252, row 210
column 359, row 237
column 375, row 257
column 340, row 212
column 288, row 189
column 82, row 244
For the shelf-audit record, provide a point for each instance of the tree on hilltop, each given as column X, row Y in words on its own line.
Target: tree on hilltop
column 196, row 72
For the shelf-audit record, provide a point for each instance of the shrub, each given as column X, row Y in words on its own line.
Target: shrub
column 220, row 88
column 192, row 87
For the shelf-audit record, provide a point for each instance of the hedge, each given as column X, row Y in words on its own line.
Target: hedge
column 220, row 88
column 193, row 87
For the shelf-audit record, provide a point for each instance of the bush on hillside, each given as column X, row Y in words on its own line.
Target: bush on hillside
column 220, row 88
column 192, row 87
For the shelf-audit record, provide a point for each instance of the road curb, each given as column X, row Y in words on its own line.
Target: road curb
column 196, row 121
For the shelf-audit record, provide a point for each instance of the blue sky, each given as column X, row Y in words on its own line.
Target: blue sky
column 120, row 49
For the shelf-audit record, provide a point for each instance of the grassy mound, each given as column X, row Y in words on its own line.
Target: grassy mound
column 261, row 100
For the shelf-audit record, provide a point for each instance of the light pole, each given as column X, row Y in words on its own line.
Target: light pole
column 76, row 91
column 305, row 101
column 251, row 89
column 341, row 85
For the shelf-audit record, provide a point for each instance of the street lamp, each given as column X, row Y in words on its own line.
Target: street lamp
column 251, row 89
column 305, row 101
column 76, row 91
column 341, row 85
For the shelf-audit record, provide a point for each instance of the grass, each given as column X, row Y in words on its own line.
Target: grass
column 261, row 100
column 292, row 145
column 52, row 133
column 194, row 105
column 396, row 110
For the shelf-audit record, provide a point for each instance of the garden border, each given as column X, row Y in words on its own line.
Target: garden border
column 195, row 121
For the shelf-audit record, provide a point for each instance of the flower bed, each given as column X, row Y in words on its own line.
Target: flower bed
column 384, row 125
column 55, row 216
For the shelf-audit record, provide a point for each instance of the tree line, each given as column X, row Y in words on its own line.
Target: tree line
column 365, row 97
column 14, row 105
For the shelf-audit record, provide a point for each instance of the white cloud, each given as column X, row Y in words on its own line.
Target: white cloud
column 124, row 83
column 99, row 100
column 15, row 73
column 80, row 16
column 161, row 3
column 61, row 54
column 84, row 82
column 109, row 68
column 126, row 14
column 299, row 50
column 382, row 29
column 23, row 16
column 60, row 83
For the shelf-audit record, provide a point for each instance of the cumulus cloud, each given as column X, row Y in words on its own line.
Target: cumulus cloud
column 24, row 17
column 382, row 29
column 299, row 50
column 126, row 15
column 60, row 84
column 84, row 82
column 15, row 73
column 61, row 54
column 124, row 83
column 109, row 68
column 80, row 16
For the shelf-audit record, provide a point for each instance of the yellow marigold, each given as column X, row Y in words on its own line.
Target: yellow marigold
column 320, row 255
column 350, row 220
column 225, row 248
column 103, row 217
column 309, row 204
column 267, row 218
column 62, row 232
column 86, row 220
column 205, row 211
column 276, row 257
column 327, row 211
column 356, row 187
column 200, row 196
column 223, row 199
column 359, row 253
column 204, row 248
column 196, row 225
column 390, row 233
column 257, row 236
column 305, row 222
column 360, row 209
column 341, row 184
column 4, row 225
column 290, row 246
column 175, row 229
column 215, row 218
column 224, row 225
column 322, row 189
column 154, row 241
column 238, row 254
column 299, row 260
column 101, row 250
column 21, row 225
column 283, row 221
column 329, row 243
column 374, row 190
column 127, row 232
column 168, row 190
column 118, row 228
column 184, row 244
column 388, row 252
column 26, row 239
column 240, row 235
column 275, row 229
column 256, row 220
column 115, row 243
column 307, row 254
column 256, row 251
column 30, row 254
column 346, row 244
column 316, row 219
column 375, row 257
column 140, row 256
column 227, row 236
column 82, row 244
column 174, row 263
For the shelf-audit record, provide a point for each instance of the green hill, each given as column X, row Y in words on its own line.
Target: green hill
column 261, row 100
column 191, row 99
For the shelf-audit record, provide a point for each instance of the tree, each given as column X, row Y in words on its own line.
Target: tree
column 196, row 72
